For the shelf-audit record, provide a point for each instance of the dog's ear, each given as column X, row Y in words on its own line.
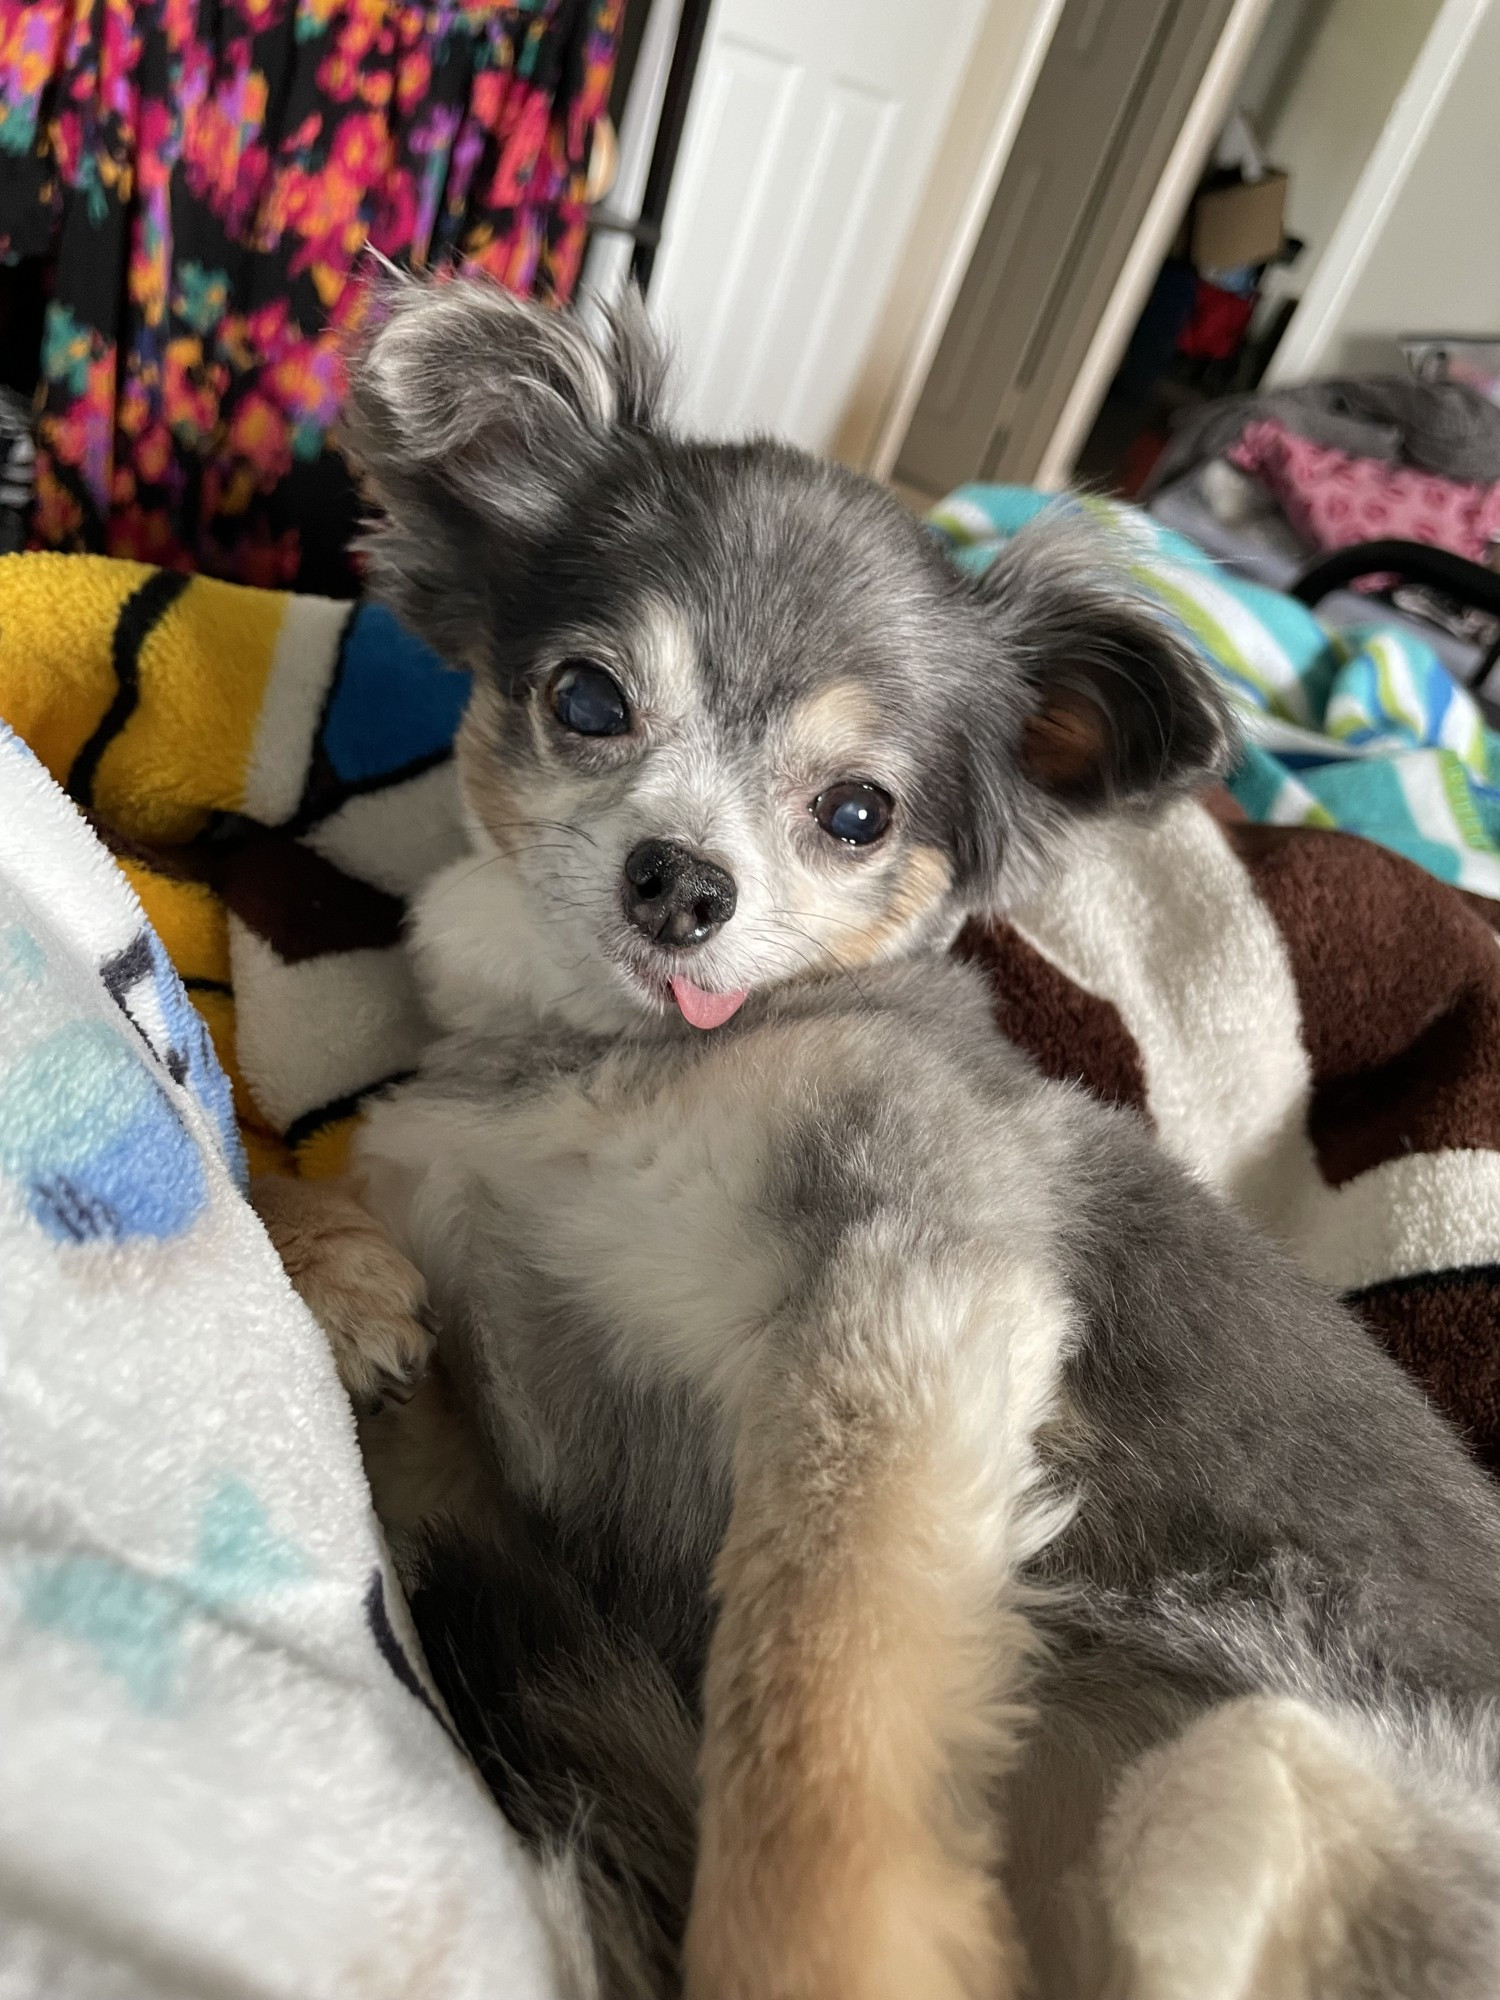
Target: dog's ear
column 474, row 420
column 1116, row 707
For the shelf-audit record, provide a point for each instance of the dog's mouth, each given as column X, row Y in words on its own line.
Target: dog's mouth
column 702, row 1007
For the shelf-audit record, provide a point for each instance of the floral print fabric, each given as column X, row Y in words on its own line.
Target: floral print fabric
column 204, row 176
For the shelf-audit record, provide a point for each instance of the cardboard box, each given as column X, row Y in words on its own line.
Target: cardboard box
column 1239, row 224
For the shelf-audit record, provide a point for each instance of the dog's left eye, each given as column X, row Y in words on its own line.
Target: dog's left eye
column 589, row 701
column 856, row 814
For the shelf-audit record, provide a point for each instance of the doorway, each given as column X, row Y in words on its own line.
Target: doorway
column 1129, row 125
column 1111, row 98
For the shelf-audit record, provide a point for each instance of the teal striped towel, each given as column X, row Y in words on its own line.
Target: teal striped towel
column 1361, row 728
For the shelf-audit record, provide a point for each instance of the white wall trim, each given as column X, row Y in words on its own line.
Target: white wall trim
column 1205, row 117
column 1306, row 346
column 903, row 393
column 606, row 266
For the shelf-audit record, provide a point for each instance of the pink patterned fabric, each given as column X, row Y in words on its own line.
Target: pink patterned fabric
column 1333, row 500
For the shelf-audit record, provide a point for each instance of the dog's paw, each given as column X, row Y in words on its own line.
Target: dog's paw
column 369, row 1300
column 371, row 1303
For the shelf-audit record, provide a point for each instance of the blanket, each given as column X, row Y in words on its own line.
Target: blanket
column 1312, row 1026
column 222, row 1767
column 1361, row 728
column 272, row 772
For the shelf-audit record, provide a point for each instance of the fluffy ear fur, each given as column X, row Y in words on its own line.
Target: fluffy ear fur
column 475, row 419
column 1119, row 707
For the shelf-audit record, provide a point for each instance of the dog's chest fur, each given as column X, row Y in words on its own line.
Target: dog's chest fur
column 608, row 1233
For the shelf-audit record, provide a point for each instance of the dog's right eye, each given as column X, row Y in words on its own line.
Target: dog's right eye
column 589, row 701
column 857, row 814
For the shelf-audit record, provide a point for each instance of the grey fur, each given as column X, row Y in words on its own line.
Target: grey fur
column 1262, row 1506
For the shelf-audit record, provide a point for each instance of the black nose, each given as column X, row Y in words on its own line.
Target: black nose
column 674, row 895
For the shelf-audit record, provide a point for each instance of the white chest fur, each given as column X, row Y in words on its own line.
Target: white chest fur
column 639, row 1214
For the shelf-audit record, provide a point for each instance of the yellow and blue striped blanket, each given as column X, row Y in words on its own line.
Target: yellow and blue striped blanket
column 273, row 773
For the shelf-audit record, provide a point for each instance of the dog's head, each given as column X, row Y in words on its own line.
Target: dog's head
column 736, row 718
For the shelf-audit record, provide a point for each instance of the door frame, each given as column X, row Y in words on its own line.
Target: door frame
column 961, row 184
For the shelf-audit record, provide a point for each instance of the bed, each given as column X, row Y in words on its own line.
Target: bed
column 223, row 1765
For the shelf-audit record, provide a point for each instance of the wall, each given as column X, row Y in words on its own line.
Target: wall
column 1435, row 266
column 1348, row 74
column 1286, row 35
column 1418, row 247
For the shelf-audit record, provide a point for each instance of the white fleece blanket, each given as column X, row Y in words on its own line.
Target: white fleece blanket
column 221, row 1769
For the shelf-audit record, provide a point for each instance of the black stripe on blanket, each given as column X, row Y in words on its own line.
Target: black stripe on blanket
column 312, row 1121
column 378, row 1618
column 325, row 793
column 137, row 619
column 1456, row 1274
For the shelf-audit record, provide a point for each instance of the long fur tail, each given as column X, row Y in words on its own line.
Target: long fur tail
column 581, row 1714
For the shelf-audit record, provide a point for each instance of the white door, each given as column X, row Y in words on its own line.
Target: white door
column 812, row 126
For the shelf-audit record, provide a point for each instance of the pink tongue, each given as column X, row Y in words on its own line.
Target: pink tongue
column 705, row 1010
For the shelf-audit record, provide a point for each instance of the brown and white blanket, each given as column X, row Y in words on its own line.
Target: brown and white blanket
column 1312, row 1025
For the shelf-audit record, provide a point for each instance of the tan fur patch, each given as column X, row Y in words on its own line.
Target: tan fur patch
column 667, row 665
column 839, row 713
column 1064, row 746
column 851, row 1725
column 923, row 882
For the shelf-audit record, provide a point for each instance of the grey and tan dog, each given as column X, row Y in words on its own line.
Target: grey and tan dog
column 893, row 1531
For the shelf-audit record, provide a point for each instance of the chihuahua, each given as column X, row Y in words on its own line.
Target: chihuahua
column 884, row 1530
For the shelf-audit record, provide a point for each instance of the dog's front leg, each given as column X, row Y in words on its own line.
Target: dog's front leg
column 869, row 1658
